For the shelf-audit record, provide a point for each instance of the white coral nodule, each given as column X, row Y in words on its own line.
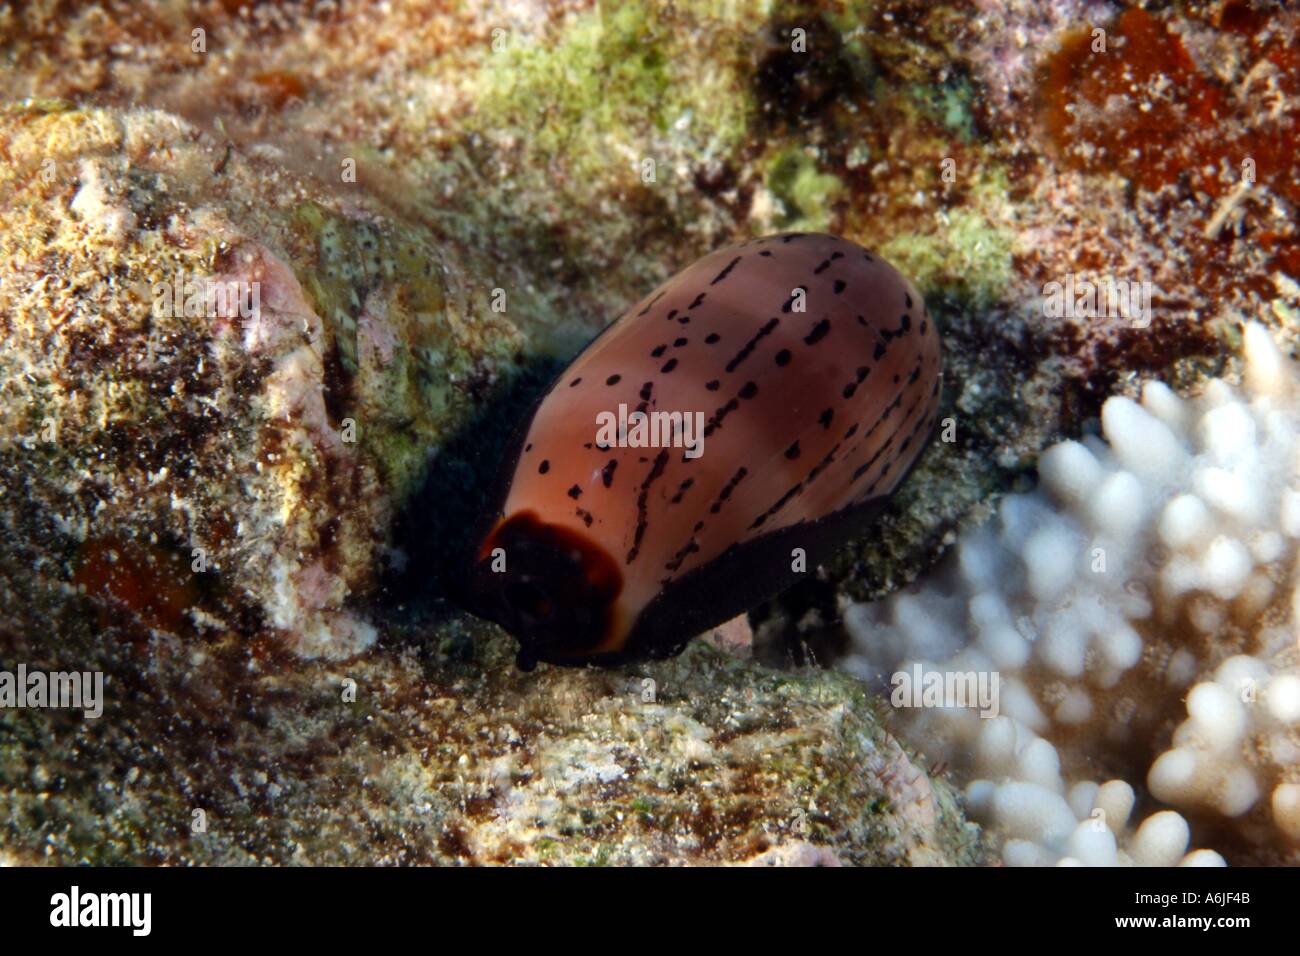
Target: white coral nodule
column 1140, row 610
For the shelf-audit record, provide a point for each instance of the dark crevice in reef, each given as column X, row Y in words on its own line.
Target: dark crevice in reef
column 794, row 88
column 436, row 531
column 800, row 627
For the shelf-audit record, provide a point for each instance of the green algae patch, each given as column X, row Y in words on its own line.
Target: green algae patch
column 401, row 338
column 968, row 256
column 599, row 94
column 950, row 105
column 806, row 194
column 588, row 138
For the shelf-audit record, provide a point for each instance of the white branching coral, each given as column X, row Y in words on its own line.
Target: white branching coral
column 1138, row 615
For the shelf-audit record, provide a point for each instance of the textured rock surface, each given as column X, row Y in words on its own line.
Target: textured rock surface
column 448, row 757
column 215, row 465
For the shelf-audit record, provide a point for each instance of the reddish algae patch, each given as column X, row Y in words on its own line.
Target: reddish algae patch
column 1151, row 111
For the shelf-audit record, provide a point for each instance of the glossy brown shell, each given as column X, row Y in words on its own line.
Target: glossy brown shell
column 808, row 414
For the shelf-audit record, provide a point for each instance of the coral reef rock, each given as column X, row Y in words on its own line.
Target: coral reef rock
column 218, row 378
column 428, row 755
